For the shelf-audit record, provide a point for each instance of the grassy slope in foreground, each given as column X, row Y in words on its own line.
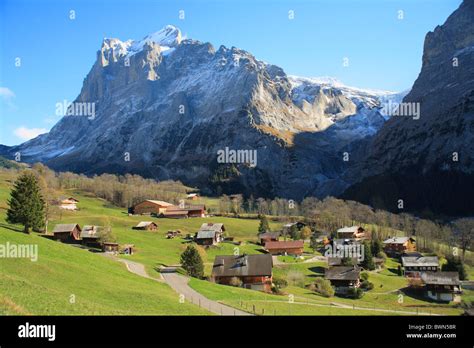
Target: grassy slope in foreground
column 100, row 286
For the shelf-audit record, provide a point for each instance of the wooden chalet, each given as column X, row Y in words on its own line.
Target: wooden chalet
column 67, row 233
column 343, row 278
column 268, row 237
column 150, row 206
column 90, row 235
column 413, row 267
column 395, row 246
column 353, row 232
column 292, row 247
column 210, row 234
column 69, row 203
column 146, row 225
column 187, row 211
column 287, row 227
column 442, row 286
column 254, row 271
column 192, row 196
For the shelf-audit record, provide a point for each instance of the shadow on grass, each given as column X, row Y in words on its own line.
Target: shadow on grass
column 8, row 227
column 319, row 270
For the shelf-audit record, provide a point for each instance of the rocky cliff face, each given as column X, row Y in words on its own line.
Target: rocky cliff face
column 165, row 106
column 429, row 161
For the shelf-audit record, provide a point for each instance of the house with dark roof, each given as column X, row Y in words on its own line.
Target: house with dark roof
column 395, row 246
column 442, row 286
column 67, row 233
column 210, row 233
column 186, row 211
column 291, row 247
column 414, row 266
column 268, row 237
column 254, row 271
column 343, row 278
column 90, row 235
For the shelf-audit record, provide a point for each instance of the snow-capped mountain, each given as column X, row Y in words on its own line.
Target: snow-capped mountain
column 165, row 105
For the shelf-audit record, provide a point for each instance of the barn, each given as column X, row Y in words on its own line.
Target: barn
column 150, row 206
column 67, row 233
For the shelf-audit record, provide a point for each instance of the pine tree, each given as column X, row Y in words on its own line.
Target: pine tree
column 192, row 262
column 368, row 262
column 26, row 204
column 264, row 226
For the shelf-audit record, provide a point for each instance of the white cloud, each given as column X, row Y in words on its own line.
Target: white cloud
column 6, row 93
column 29, row 133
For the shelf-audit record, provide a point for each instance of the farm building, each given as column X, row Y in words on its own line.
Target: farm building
column 353, row 232
column 210, row 234
column 146, row 225
column 90, row 235
column 192, row 196
column 268, row 237
column 173, row 234
column 397, row 245
column 254, row 271
column 67, row 233
column 150, row 206
column 110, row 247
column 343, row 278
column 185, row 211
column 442, row 286
column 414, row 266
column 292, row 247
column 127, row 249
column 69, row 203
column 287, row 227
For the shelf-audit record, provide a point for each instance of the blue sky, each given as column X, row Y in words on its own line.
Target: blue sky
column 56, row 52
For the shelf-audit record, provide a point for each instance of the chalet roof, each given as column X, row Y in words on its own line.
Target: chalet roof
column 429, row 261
column 90, row 231
column 209, row 226
column 205, row 234
column 342, row 273
column 397, row 240
column 192, row 195
column 65, row 228
column 291, row 244
column 72, row 199
column 161, row 203
column 242, row 265
column 440, row 278
column 337, row 261
column 346, row 229
column 144, row 224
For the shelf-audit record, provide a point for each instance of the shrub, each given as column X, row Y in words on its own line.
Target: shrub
column 323, row 287
column 364, row 276
column 366, row 285
column 355, row 293
column 295, row 278
column 234, row 281
column 280, row 283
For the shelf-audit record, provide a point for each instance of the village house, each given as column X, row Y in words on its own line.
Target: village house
column 187, row 211
column 394, row 246
column 292, row 247
column 210, row 234
column 69, row 203
column 150, row 206
column 254, row 271
column 90, row 235
column 192, row 196
column 67, row 233
column 146, row 225
column 442, row 286
column 287, row 227
column 343, row 278
column 414, row 266
column 268, row 237
column 353, row 232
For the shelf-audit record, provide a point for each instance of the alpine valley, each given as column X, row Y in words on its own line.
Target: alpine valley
column 165, row 105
